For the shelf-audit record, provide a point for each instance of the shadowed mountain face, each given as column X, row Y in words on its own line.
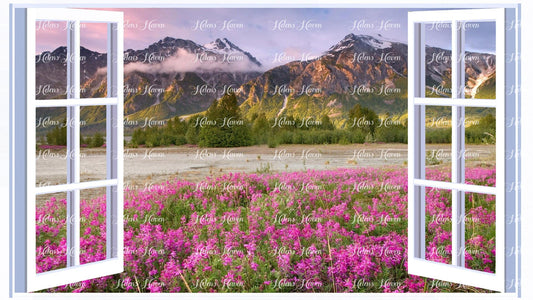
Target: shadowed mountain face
column 175, row 77
column 170, row 77
column 358, row 69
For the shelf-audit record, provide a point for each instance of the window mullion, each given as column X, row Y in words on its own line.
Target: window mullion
column 417, row 150
column 73, row 143
column 458, row 145
column 111, row 143
column 25, row 101
column 420, row 124
column 76, row 102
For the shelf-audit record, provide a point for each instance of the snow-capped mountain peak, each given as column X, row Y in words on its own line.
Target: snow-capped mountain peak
column 376, row 43
column 351, row 40
column 222, row 45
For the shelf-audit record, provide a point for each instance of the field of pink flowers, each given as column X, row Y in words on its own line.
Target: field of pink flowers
column 341, row 230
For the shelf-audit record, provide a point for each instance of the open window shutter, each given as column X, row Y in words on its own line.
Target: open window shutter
column 457, row 271
column 27, row 277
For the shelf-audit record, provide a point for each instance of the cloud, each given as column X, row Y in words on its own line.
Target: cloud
column 184, row 61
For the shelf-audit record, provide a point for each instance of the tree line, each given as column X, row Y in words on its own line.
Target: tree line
column 223, row 125
column 58, row 136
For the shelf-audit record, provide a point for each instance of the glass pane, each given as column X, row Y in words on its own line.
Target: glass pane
column 93, row 60
column 480, row 146
column 480, row 60
column 51, row 141
column 438, row 42
column 438, row 225
column 51, row 232
column 438, row 143
column 50, row 59
column 93, row 161
column 92, row 225
column 480, row 232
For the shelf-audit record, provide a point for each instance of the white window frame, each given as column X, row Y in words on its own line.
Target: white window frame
column 30, row 280
column 18, row 128
column 504, row 278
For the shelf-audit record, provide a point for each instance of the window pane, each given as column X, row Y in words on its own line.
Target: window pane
column 92, row 225
column 93, row 160
column 50, row 59
column 480, row 146
column 480, row 60
column 51, row 140
column 93, row 60
column 51, row 232
column 438, row 42
column 438, row 225
column 438, row 143
column 480, row 235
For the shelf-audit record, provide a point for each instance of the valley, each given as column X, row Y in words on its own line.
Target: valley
column 177, row 77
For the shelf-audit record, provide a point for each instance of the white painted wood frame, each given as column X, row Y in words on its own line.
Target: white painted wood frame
column 417, row 264
column 114, row 262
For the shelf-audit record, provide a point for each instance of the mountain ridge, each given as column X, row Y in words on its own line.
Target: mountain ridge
column 372, row 71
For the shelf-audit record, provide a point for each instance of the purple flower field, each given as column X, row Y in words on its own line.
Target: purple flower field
column 341, row 230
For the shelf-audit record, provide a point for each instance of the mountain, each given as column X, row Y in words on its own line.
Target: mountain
column 224, row 46
column 361, row 69
column 51, row 73
column 175, row 77
column 168, row 78
column 358, row 69
column 479, row 69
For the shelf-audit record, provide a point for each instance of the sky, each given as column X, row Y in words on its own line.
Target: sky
column 272, row 35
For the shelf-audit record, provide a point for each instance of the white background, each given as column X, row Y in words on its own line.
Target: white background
column 527, row 125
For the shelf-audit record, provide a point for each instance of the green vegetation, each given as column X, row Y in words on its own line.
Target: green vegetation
column 365, row 119
column 487, row 90
column 224, row 126
column 58, row 136
column 174, row 132
column 97, row 140
column 482, row 132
